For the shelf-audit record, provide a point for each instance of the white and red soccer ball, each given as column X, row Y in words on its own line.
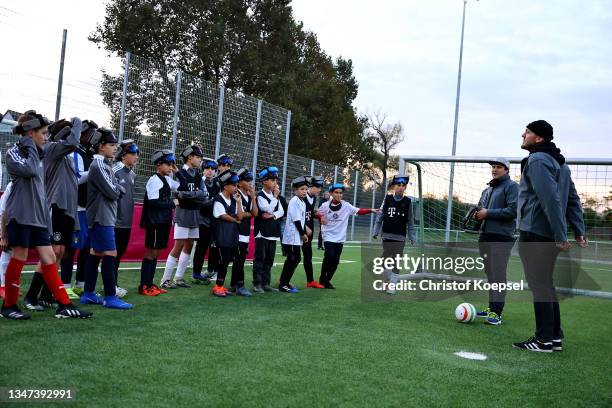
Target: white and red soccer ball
column 465, row 313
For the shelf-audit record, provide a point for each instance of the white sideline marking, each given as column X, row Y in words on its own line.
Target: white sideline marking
column 470, row 356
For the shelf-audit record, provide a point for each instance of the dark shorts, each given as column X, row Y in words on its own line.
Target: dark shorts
column 27, row 236
column 80, row 239
column 62, row 226
column 156, row 236
column 102, row 238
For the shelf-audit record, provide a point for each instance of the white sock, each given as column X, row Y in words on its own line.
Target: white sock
column 66, row 286
column 170, row 265
column 190, row 264
column 182, row 265
column 4, row 261
column 79, row 284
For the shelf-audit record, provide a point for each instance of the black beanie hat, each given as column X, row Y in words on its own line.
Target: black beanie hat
column 541, row 128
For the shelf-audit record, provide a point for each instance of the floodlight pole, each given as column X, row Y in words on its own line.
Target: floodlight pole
column 449, row 208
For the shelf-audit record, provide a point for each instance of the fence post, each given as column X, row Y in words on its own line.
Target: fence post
column 219, row 122
column 60, row 81
column 373, row 206
column 312, row 162
column 257, row 127
column 335, row 174
column 354, row 204
column 126, row 75
column 177, row 101
column 288, row 127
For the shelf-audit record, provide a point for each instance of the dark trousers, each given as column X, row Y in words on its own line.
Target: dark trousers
column 226, row 255
column 238, row 265
column 263, row 261
column 307, row 257
column 202, row 245
column 213, row 260
column 122, row 239
column 392, row 248
column 538, row 255
column 331, row 259
column 293, row 253
column 495, row 250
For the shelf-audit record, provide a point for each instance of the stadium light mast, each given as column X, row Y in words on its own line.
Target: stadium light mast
column 449, row 208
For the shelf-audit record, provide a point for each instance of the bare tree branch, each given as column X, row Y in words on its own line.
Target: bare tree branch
column 386, row 138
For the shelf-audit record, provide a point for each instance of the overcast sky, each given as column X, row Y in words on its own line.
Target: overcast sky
column 523, row 60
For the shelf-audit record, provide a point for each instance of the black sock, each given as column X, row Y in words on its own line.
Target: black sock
column 45, row 293
column 145, row 269
column 66, row 266
column 91, row 272
column 116, row 268
column 108, row 275
column 35, row 287
column 81, row 269
column 152, row 270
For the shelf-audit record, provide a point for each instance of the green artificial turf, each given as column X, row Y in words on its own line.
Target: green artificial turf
column 314, row 348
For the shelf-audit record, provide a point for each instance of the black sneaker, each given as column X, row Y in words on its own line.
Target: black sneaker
column 328, row 285
column 70, row 310
column 14, row 313
column 284, row 288
column 49, row 303
column 557, row 345
column 33, row 305
column 533, row 344
column 180, row 283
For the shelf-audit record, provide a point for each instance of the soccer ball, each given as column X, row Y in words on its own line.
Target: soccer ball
column 465, row 313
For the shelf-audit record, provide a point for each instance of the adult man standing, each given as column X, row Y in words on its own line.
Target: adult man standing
column 497, row 214
column 547, row 202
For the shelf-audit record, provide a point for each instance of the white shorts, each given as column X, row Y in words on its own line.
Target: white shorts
column 186, row 233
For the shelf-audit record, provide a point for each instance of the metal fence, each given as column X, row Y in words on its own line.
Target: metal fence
column 159, row 108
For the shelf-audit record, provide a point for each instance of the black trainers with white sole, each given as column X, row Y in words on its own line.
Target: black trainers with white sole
column 14, row 313
column 49, row 303
column 533, row 344
column 33, row 305
column 71, row 311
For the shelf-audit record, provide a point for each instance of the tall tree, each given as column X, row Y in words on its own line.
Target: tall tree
column 251, row 46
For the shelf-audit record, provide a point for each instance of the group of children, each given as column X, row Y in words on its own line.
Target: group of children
column 72, row 188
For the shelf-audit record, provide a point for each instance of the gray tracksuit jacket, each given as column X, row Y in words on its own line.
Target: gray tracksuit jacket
column 500, row 202
column 187, row 217
column 60, row 173
column 103, row 191
column 548, row 200
column 125, row 206
column 27, row 202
